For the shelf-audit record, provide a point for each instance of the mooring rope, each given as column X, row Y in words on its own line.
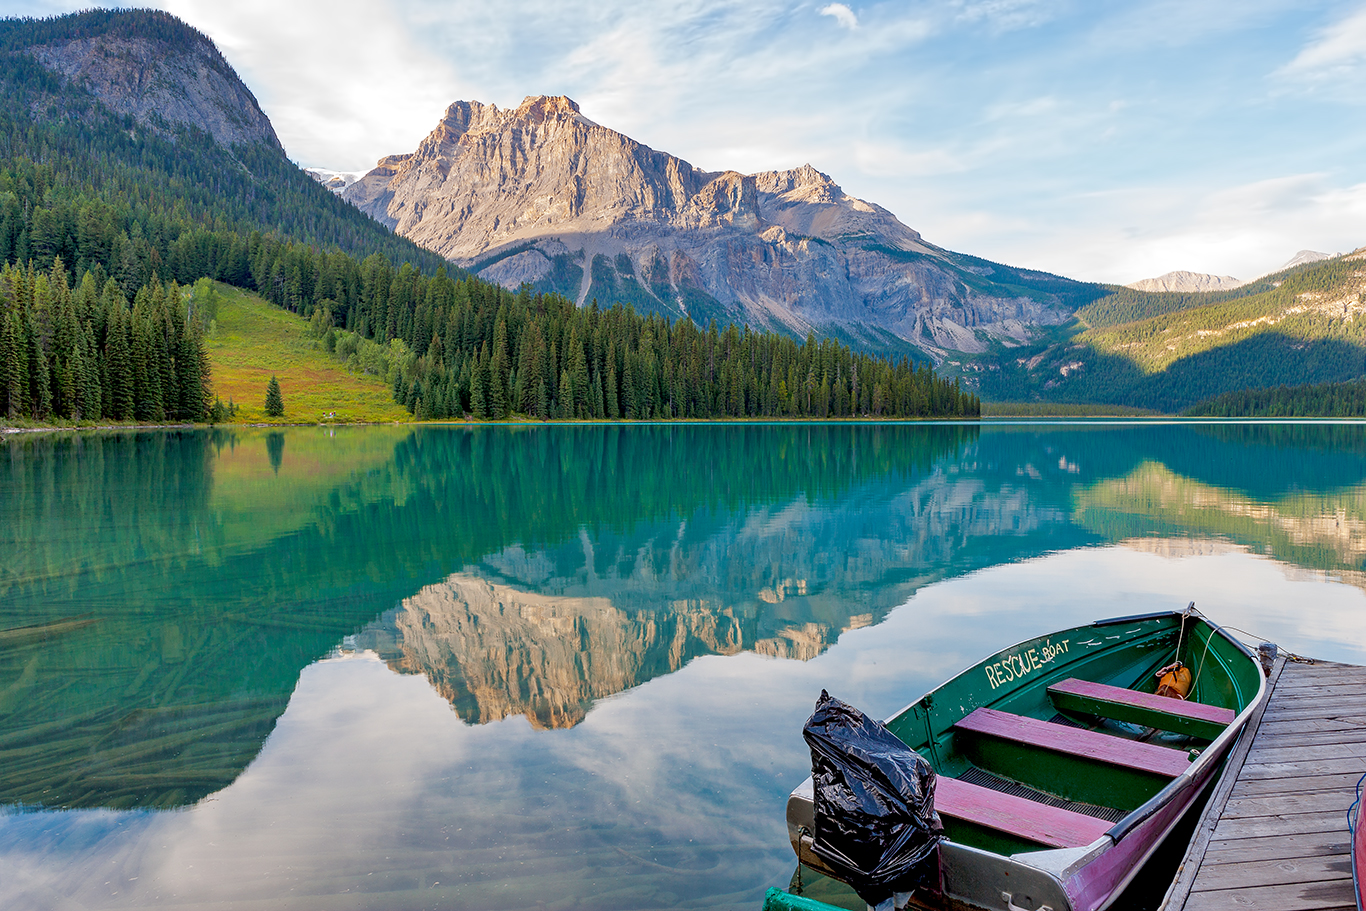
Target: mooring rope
column 1289, row 655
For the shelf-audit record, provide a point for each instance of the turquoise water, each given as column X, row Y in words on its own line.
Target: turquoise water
column 567, row 667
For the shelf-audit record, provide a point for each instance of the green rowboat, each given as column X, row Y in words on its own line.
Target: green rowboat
column 1059, row 770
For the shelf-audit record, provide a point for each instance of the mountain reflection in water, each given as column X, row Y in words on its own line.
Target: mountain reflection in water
column 161, row 593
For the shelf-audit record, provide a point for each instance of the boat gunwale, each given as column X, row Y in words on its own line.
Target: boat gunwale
column 1016, row 646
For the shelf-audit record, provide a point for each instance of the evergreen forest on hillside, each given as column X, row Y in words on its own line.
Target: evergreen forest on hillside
column 1327, row 400
column 1301, row 326
column 471, row 347
column 88, row 354
column 127, row 213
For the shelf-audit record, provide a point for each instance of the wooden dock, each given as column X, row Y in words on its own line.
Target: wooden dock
column 1274, row 834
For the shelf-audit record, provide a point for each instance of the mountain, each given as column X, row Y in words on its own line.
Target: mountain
column 1188, row 281
column 156, row 78
column 542, row 194
column 127, row 132
column 1303, row 257
column 336, row 181
column 1170, row 351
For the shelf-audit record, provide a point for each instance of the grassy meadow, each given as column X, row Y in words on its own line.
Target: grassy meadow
column 252, row 339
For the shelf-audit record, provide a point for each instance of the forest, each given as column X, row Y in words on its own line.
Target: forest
column 1328, row 400
column 88, row 354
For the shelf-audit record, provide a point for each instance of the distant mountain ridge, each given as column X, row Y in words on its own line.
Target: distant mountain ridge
column 1182, row 281
column 542, row 194
column 1306, row 256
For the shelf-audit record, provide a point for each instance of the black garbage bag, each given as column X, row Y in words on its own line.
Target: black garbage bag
column 875, row 819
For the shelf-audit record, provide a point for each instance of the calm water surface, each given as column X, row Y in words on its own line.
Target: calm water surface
column 567, row 667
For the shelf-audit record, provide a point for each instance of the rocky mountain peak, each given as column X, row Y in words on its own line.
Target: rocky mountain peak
column 165, row 70
column 803, row 178
column 540, row 108
column 542, row 194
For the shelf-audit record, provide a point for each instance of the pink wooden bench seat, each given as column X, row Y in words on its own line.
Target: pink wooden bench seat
column 1018, row 816
column 1116, row 751
column 1161, row 712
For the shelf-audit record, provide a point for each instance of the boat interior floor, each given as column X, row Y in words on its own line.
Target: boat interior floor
column 1064, row 781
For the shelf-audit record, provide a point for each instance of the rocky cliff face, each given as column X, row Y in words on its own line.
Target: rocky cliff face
column 148, row 78
column 542, row 194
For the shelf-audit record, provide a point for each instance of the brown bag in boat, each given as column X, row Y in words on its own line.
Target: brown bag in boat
column 1174, row 680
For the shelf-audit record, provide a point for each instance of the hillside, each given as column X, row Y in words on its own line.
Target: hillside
column 253, row 340
column 542, row 194
column 1170, row 351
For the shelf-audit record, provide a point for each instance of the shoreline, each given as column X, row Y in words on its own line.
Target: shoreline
column 6, row 430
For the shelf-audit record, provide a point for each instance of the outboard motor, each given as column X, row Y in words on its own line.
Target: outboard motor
column 874, row 804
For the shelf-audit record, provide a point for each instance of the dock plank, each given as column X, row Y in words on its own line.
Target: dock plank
column 1312, row 739
column 1343, row 688
column 1276, row 871
column 1329, row 704
column 1264, row 787
column 1283, row 804
column 1290, row 824
column 1307, row 844
column 1334, row 895
column 1341, row 750
column 1310, row 726
column 1299, row 769
column 1274, row 835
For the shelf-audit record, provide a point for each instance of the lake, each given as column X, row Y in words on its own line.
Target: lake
column 568, row 666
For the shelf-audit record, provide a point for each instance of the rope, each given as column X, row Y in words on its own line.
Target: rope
column 1196, row 682
column 1289, row 655
column 1354, row 821
column 1181, row 637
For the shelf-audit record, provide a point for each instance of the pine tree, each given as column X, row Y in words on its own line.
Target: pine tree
column 500, row 389
column 479, row 385
column 275, row 402
column 15, row 352
column 40, row 388
column 567, row 403
column 613, row 412
column 121, row 372
column 91, row 393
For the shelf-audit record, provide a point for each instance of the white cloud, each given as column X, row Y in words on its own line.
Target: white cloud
column 343, row 85
column 841, row 14
column 1244, row 230
column 1337, row 50
column 1004, row 15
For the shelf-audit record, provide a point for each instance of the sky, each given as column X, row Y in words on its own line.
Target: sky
column 1106, row 141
